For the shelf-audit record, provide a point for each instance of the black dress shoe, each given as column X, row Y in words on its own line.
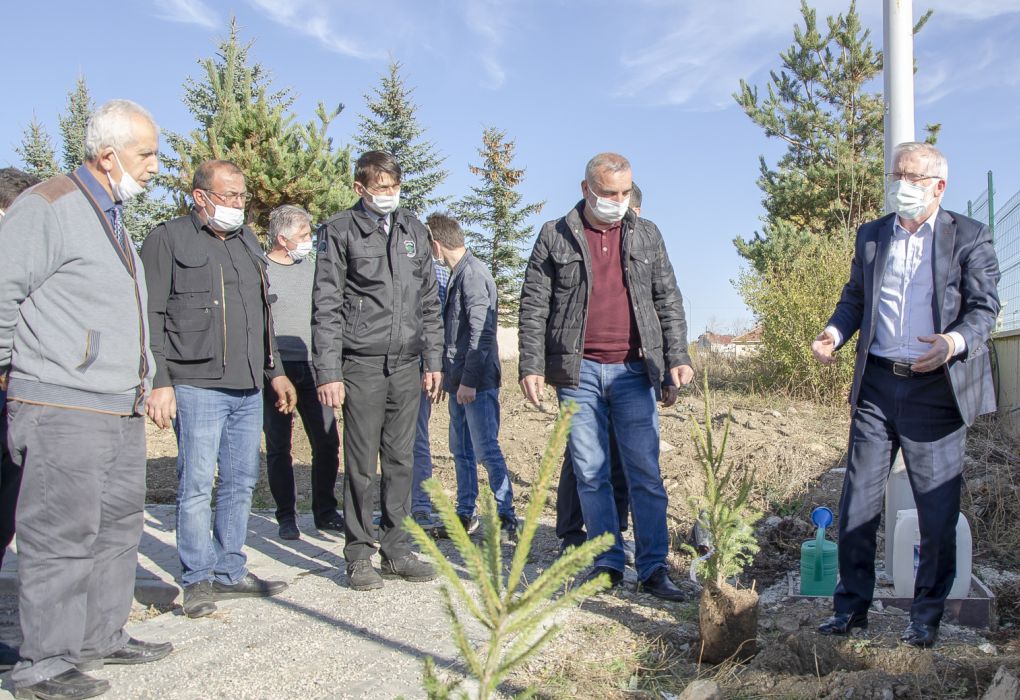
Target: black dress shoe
column 615, row 577
column 920, row 635
column 842, row 623
column 251, row 586
column 334, row 524
column 72, row 684
column 8, row 657
column 134, row 652
column 289, row 530
column 660, row 586
column 199, row 600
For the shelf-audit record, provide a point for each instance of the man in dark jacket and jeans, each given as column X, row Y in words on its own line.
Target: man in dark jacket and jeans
column 213, row 342
column 471, row 375
column 602, row 320
column 375, row 316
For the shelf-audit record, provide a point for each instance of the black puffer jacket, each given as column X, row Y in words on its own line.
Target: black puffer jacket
column 554, row 300
column 374, row 295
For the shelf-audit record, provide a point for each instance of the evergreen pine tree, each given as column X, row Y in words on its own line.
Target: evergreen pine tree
column 238, row 120
column 495, row 207
column 392, row 126
column 73, row 122
column 36, row 151
column 829, row 181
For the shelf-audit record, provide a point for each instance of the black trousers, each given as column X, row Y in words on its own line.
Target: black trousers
column 320, row 426
column 10, row 484
column 569, row 519
column 380, row 415
column 917, row 415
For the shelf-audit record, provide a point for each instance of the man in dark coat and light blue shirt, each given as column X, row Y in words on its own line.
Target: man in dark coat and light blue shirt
column 922, row 296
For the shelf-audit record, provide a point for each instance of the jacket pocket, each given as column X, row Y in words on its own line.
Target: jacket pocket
column 189, row 336
column 91, row 351
column 640, row 266
column 192, row 274
column 568, row 265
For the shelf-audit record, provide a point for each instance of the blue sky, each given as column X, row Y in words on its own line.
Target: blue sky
column 651, row 79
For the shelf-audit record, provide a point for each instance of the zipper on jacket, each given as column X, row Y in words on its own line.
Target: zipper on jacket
column 223, row 297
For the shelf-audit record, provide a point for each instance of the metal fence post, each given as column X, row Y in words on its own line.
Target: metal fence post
column 991, row 207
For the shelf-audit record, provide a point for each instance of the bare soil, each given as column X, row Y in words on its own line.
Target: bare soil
column 631, row 645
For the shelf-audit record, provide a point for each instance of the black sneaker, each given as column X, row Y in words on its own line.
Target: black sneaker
column 510, row 530
column 363, row 576
column 409, row 568
column 334, row 524
column 72, row 684
column 251, row 586
column 289, row 530
column 199, row 600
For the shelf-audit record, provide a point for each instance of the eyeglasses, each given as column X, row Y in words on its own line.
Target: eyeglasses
column 909, row 177
column 242, row 197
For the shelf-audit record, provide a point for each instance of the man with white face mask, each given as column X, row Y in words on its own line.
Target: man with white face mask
column 922, row 296
column 74, row 348
column 214, row 347
column 602, row 320
column 375, row 323
column 292, row 273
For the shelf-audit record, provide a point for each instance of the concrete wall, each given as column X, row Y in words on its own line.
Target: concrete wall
column 1007, row 356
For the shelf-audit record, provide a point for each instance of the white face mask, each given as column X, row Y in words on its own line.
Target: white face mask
column 608, row 210
column 301, row 252
column 909, row 200
column 382, row 203
column 225, row 219
column 128, row 187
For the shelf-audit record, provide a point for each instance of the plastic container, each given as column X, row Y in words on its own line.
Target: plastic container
column 818, row 561
column 908, row 553
column 898, row 496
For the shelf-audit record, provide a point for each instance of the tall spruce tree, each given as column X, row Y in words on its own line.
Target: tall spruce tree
column 829, row 181
column 241, row 121
column 391, row 125
column 495, row 211
column 36, row 151
column 73, row 122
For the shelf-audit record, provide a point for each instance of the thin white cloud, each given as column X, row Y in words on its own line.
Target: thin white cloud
column 312, row 18
column 490, row 22
column 188, row 12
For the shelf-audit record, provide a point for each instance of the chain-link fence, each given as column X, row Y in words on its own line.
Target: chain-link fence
column 1004, row 220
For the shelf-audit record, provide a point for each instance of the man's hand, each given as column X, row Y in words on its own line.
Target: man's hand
column 465, row 394
column 161, row 406
column 682, row 375
column 286, row 394
column 3, row 380
column 943, row 347
column 823, row 347
column 533, row 386
column 669, row 395
column 331, row 394
column 432, row 385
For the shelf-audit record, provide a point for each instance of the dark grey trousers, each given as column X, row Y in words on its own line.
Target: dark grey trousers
column 79, row 522
column 380, row 413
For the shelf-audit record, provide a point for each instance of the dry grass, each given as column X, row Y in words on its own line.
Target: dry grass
column 991, row 495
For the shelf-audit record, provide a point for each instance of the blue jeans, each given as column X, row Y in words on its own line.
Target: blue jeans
column 420, row 502
column 474, row 429
column 215, row 426
column 620, row 393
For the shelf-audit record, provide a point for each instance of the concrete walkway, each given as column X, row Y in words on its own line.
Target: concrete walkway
column 318, row 639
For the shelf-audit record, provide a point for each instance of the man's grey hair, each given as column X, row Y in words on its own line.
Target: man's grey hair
column 608, row 162
column 112, row 125
column 936, row 163
column 285, row 221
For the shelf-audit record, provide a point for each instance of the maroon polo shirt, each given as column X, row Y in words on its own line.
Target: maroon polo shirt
column 611, row 333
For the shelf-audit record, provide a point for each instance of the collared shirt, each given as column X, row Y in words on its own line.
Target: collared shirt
column 442, row 281
column 102, row 197
column 243, row 311
column 610, row 331
column 905, row 309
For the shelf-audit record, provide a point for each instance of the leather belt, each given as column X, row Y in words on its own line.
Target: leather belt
column 900, row 369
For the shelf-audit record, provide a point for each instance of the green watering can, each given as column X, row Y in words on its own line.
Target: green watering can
column 818, row 562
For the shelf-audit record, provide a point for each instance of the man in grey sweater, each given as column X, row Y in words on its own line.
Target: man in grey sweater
column 292, row 274
column 74, row 344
